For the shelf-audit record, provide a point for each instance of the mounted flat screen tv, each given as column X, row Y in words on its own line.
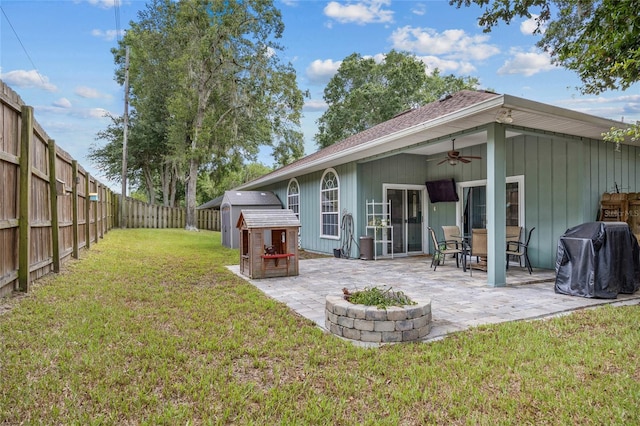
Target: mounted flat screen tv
column 442, row 190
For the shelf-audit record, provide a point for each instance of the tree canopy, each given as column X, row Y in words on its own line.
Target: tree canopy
column 364, row 93
column 598, row 39
column 208, row 89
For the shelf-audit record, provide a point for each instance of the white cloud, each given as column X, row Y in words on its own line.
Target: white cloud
column 446, row 65
column 528, row 26
column 603, row 100
column 624, row 107
column 526, row 63
column 104, row 4
column 62, row 103
column 315, row 105
column 419, row 9
column 321, row 71
column 108, row 35
column 88, row 92
column 73, row 113
column 450, row 44
column 31, row 79
column 97, row 113
column 362, row 12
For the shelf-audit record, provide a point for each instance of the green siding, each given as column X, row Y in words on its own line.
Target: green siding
column 564, row 180
column 310, row 206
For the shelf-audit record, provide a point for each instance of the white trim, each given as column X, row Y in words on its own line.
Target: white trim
column 327, row 171
column 423, row 195
column 519, row 179
column 288, row 194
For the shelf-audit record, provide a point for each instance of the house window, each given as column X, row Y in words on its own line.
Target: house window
column 330, row 205
column 293, row 197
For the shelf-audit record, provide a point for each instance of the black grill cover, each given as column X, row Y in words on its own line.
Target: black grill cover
column 598, row 259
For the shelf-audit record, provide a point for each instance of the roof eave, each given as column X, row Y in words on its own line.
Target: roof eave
column 373, row 147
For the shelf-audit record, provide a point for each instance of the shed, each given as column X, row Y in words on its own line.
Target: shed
column 233, row 202
column 211, row 204
column 268, row 243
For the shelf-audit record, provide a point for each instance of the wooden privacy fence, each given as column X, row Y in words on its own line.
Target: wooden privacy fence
column 50, row 207
column 139, row 214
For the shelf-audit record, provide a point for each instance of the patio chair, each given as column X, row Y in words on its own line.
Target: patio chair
column 479, row 248
column 440, row 251
column 452, row 237
column 520, row 250
column 513, row 233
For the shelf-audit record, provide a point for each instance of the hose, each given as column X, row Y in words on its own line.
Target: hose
column 347, row 234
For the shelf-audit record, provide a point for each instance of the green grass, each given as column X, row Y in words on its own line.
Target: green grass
column 149, row 327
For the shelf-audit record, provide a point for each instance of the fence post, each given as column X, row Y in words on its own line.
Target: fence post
column 96, row 213
column 24, row 230
column 53, row 197
column 87, row 212
column 74, row 194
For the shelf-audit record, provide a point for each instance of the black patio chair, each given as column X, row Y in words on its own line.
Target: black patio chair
column 520, row 250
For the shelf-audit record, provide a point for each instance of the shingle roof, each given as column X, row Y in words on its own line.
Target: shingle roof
column 251, row 198
column 211, row 204
column 431, row 111
column 267, row 218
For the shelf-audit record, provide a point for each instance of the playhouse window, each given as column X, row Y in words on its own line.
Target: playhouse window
column 245, row 242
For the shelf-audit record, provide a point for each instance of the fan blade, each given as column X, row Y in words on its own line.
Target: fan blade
column 464, row 160
column 443, row 161
column 472, row 157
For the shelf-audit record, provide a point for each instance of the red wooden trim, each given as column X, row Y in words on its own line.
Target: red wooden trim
column 276, row 256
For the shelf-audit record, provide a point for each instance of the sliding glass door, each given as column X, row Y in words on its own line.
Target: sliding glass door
column 472, row 207
column 406, row 218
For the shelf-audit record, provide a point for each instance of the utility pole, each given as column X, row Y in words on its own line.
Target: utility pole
column 123, row 220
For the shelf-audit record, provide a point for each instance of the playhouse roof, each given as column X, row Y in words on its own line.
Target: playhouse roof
column 267, row 219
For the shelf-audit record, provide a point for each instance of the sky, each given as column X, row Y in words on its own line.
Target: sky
column 56, row 54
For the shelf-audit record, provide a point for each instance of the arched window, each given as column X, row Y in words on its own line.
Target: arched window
column 330, row 205
column 293, row 197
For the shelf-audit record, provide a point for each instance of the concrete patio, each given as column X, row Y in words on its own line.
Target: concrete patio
column 459, row 300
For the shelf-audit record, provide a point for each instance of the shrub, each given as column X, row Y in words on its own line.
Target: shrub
column 376, row 296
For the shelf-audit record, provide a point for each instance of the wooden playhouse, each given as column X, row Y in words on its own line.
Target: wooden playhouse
column 268, row 243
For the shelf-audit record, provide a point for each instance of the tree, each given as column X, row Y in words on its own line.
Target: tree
column 599, row 40
column 209, row 89
column 232, row 84
column 618, row 136
column 364, row 93
column 152, row 163
column 211, row 186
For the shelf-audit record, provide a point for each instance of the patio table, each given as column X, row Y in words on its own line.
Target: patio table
column 465, row 240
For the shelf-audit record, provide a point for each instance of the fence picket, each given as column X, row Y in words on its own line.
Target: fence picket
column 46, row 212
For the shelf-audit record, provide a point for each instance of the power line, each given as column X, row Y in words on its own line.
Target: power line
column 23, row 48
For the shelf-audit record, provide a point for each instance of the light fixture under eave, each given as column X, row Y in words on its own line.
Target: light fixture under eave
column 504, row 116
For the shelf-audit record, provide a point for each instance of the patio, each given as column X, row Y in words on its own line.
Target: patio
column 458, row 300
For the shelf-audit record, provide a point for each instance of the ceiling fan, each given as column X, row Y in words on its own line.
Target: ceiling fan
column 454, row 156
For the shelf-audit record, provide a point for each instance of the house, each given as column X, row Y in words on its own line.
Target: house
column 546, row 164
column 231, row 206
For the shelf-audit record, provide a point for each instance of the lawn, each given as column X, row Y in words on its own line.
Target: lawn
column 149, row 327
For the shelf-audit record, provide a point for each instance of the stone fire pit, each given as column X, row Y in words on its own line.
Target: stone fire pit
column 370, row 324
